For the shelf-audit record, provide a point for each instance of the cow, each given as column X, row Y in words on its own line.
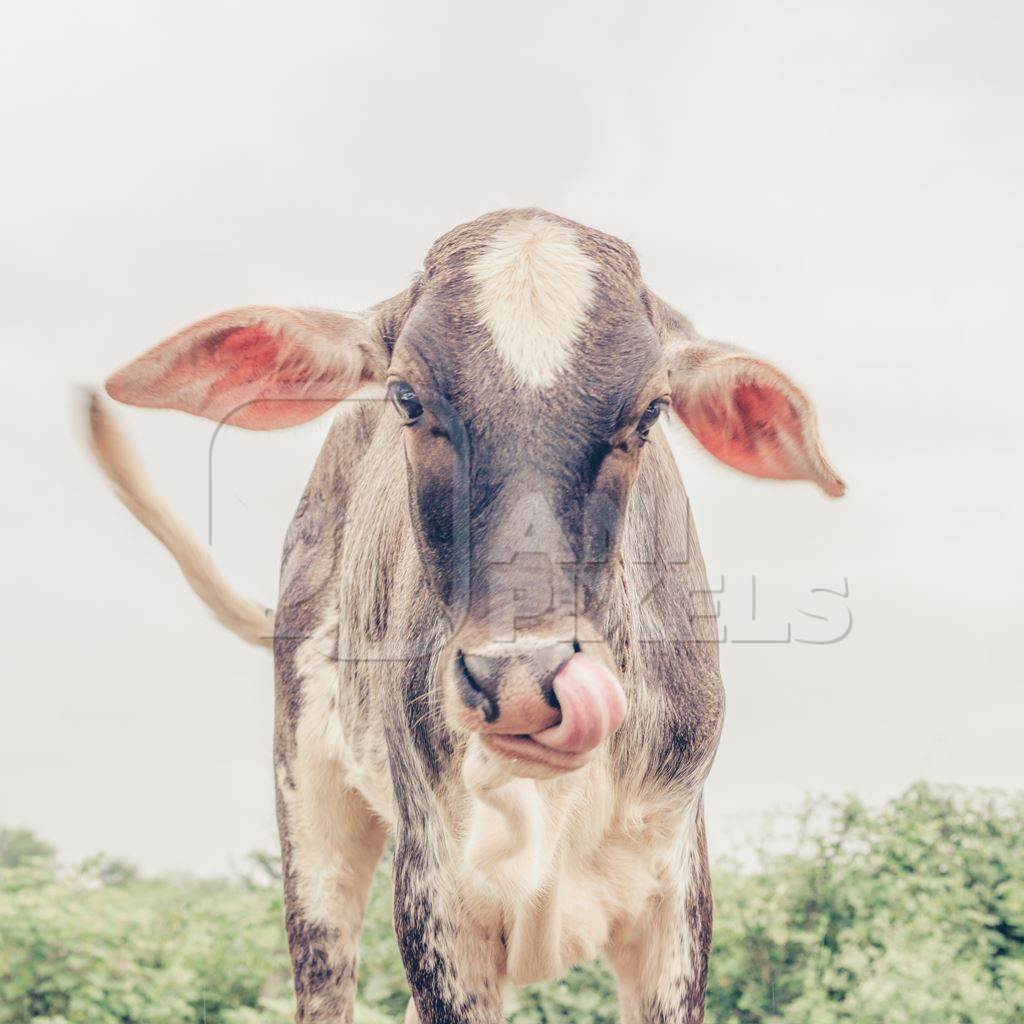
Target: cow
column 494, row 641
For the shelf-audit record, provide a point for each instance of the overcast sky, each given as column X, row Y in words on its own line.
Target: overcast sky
column 834, row 185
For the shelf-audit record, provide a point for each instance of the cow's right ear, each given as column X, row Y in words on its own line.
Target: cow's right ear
column 260, row 367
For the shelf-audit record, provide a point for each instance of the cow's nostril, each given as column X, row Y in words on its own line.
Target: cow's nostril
column 477, row 685
column 546, row 663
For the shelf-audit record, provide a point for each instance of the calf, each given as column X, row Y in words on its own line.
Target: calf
column 494, row 639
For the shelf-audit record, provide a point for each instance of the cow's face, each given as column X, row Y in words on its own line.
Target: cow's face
column 528, row 366
column 528, row 377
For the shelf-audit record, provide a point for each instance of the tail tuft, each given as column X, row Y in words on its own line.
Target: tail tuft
column 121, row 465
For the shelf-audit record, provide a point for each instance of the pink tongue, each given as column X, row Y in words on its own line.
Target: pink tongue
column 593, row 706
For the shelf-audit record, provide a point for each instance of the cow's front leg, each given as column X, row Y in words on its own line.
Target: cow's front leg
column 330, row 842
column 451, row 961
column 661, row 957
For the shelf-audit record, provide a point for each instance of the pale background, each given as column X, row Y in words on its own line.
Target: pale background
column 835, row 185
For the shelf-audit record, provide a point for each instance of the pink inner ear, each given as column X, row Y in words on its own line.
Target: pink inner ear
column 228, row 360
column 248, row 375
column 749, row 415
column 758, row 431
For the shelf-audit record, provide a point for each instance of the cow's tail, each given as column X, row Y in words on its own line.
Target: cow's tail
column 119, row 462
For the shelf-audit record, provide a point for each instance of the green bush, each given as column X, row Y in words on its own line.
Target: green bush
column 913, row 914
column 910, row 915
column 20, row 846
column 74, row 950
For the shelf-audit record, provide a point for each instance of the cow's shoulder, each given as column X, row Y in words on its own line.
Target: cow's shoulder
column 322, row 517
column 308, row 594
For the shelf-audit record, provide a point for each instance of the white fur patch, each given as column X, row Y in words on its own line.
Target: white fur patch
column 534, row 288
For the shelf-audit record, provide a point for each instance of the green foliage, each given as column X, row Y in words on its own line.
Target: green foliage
column 108, row 870
column 586, row 995
column 909, row 915
column 73, row 949
column 19, row 846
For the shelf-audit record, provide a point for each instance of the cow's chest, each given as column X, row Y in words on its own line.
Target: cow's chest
column 555, row 866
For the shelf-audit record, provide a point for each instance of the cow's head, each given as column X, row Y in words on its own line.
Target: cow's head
column 528, row 365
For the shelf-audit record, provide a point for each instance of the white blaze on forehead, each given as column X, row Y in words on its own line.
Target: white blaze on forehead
column 534, row 286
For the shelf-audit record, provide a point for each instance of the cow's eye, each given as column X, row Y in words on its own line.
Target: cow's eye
column 650, row 417
column 404, row 399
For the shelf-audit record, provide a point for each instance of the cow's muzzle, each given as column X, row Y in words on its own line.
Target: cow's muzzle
column 545, row 707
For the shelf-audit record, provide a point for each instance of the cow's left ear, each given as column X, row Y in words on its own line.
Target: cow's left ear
column 742, row 409
column 262, row 367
